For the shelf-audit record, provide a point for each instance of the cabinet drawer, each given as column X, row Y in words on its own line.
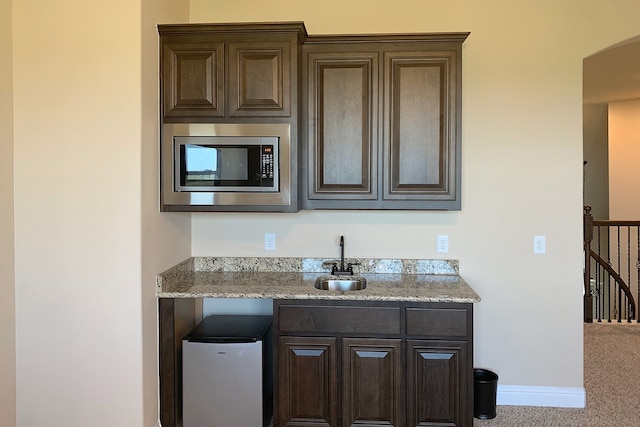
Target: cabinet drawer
column 438, row 322
column 339, row 319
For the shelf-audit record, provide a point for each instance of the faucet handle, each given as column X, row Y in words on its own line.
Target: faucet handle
column 334, row 268
column 350, row 266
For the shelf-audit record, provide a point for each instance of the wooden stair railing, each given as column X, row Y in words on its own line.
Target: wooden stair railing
column 620, row 285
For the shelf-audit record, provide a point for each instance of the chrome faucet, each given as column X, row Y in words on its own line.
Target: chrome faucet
column 342, row 271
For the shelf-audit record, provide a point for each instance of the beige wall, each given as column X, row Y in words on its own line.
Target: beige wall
column 77, row 201
column 166, row 238
column 89, row 237
column 522, row 169
column 7, row 278
column 624, row 157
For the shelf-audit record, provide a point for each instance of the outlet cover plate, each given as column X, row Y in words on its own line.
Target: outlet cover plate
column 442, row 244
column 269, row 242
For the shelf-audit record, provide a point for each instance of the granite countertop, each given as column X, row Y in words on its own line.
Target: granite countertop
column 294, row 278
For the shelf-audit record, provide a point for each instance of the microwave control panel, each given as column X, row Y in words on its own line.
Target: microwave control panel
column 267, row 162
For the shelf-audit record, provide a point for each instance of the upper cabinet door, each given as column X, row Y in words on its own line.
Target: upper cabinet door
column 259, row 76
column 421, row 126
column 193, row 80
column 342, row 123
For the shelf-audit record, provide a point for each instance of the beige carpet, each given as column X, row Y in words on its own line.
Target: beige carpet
column 612, row 383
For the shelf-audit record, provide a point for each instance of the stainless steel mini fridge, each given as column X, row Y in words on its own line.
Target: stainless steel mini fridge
column 226, row 366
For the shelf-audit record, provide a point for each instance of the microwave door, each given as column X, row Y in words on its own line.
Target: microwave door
column 207, row 167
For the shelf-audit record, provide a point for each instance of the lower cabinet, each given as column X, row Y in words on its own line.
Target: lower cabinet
column 307, row 381
column 436, row 382
column 337, row 367
column 372, row 382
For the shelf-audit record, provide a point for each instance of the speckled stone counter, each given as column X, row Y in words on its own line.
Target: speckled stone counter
column 293, row 278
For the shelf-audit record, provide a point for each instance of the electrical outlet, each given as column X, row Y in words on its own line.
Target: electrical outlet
column 539, row 245
column 269, row 242
column 442, row 244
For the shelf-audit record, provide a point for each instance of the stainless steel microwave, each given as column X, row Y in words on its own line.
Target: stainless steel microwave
column 225, row 167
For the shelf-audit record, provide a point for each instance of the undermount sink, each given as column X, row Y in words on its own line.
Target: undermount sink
column 347, row 284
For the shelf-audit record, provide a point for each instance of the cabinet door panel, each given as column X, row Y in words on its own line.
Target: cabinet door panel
column 372, row 382
column 193, row 80
column 307, row 381
column 342, row 125
column 259, row 76
column 438, row 393
column 419, row 146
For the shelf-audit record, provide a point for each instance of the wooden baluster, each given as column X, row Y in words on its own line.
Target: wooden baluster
column 588, row 236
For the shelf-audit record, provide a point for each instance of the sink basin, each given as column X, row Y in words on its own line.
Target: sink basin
column 347, row 284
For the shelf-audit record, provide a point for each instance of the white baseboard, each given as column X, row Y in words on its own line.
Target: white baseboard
column 558, row 397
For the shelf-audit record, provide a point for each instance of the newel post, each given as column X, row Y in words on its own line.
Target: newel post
column 587, row 224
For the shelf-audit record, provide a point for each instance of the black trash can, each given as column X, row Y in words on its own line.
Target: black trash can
column 485, row 387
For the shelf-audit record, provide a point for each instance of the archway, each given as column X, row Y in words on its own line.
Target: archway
column 610, row 76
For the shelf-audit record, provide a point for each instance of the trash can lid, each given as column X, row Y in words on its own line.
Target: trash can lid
column 484, row 375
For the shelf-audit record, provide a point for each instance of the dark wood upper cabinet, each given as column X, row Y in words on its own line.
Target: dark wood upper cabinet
column 419, row 152
column 376, row 118
column 214, row 72
column 259, row 79
column 342, row 123
column 383, row 121
column 193, row 79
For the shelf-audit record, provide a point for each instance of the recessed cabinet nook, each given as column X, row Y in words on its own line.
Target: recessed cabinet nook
column 374, row 120
column 365, row 122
